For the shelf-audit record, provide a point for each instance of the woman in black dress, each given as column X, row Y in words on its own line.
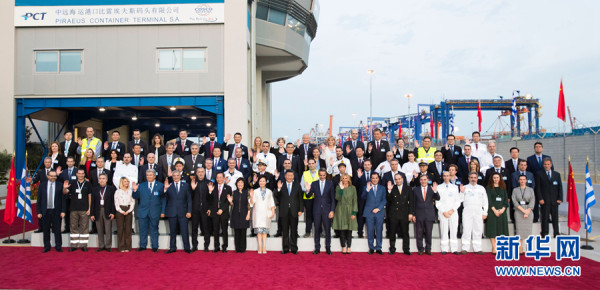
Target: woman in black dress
column 240, row 214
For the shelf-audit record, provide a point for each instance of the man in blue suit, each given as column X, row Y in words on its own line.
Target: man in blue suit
column 424, row 212
column 534, row 164
column 219, row 164
column 375, row 197
column 323, row 209
column 152, row 203
column 51, row 208
column 178, row 210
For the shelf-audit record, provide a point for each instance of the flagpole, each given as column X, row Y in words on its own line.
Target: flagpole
column 10, row 240
column 23, row 240
column 568, row 182
column 587, row 246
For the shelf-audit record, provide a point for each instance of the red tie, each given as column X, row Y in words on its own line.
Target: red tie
column 468, row 160
column 238, row 163
column 424, row 193
column 182, row 146
column 211, row 147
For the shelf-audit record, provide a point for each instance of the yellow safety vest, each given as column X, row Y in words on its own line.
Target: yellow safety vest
column 310, row 179
column 92, row 145
column 426, row 156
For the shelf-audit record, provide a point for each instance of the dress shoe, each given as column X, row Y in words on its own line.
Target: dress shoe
column 72, row 249
column 329, row 252
column 407, row 253
column 360, row 236
column 155, row 250
column 268, row 235
column 336, row 237
column 141, row 249
column 455, row 252
column 307, row 235
column 108, row 250
column 392, row 251
column 443, row 253
column 428, row 253
column 420, row 253
column 99, row 250
column 93, row 231
column 194, row 249
column 277, row 235
column 316, row 252
column 371, row 252
column 188, row 251
column 84, row 249
column 59, row 250
column 283, row 252
column 170, row 251
column 380, row 252
column 295, row 252
column 215, row 250
column 224, row 251
column 480, row 253
column 38, row 231
column 206, row 249
column 46, row 251
column 65, row 232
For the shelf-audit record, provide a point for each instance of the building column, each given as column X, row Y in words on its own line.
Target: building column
column 7, row 80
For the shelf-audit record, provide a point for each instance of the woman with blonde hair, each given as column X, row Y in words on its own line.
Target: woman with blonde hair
column 328, row 151
column 278, row 148
column 59, row 161
column 88, row 162
column 124, row 204
column 256, row 148
column 346, row 209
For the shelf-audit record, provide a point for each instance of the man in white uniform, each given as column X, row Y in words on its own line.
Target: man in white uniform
column 447, row 206
column 385, row 166
column 232, row 174
column 475, row 210
column 333, row 169
column 487, row 160
column 267, row 157
column 478, row 149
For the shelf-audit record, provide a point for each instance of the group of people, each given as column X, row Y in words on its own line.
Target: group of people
column 345, row 188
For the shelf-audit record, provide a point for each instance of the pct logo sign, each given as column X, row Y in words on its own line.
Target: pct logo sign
column 204, row 10
column 34, row 16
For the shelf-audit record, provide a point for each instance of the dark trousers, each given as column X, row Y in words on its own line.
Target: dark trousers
column 399, row 226
column 308, row 215
column 459, row 230
column 536, row 211
column 239, row 238
column 199, row 218
column 423, row 227
column 148, row 224
column 67, row 216
column 547, row 211
column 220, row 223
column 289, row 225
column 182, row 222
column 359, row 217
column 52, row 219
column 124, row 230
column 375, row 231
column 104, row 230
column 346, row 238
column 322, row 222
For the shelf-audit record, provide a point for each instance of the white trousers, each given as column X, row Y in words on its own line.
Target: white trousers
column 472, row 229
column 449, row 225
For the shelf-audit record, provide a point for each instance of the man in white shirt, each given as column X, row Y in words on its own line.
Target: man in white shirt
column 478, row 149
column 475, row 203
column 126, row 169
column 487, row 160
column 384, row 166
column 333, row 168
column 447, row 206
column 268, row 157
column 231, row 174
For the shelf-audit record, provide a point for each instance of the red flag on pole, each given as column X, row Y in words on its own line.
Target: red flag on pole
column 479, row 114
column 11, row 208
column 399, row 131
column 431, row 124
column 561, row 104
column 573, row 221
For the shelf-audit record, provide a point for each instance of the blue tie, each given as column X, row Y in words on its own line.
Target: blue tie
column 289, row 189
column 540, row 161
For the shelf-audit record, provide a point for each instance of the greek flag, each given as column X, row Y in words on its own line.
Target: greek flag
column 514, row 110
column 452, row 121
column 24, row 208
column 590, row 199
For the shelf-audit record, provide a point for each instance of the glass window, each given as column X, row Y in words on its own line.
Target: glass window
column 193, row 59
column 262, row 11
column 70, row 61
column 169, row 59
column 46, row 61
column 277, row 16
column 296, row 25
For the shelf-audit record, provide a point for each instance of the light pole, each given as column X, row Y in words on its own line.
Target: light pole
column 354, row 119
column 370, row 72
column 408, row 96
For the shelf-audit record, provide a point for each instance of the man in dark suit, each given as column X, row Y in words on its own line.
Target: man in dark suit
column 463, row 164
column 69, row 147
column 219, row 164
column 395, row 170
column 291, row 206
column 522, row 171
column 167, row 161
column 194, row 160
column 69, row 174
column 149, row 164
column 323, row 208
column 136, row 140
column 350, row 146
column 297, row 162
column 287, row 166
column 182, row 146
column 357, row 162
column 451, row 152
column 178, row 210
column 400, row 152
column 114, row 144
column 242, row 164
column 219, row 196
column 208, row 147
column 96, row 171
column 103, row 211
column 374, row 194
column 436, row 168
column 271, row 183
column 152, row 202
column 237, row 138
column 549, row 193
column 42, row 176
column 377, row 149
column 305, row 149
column 200, row 208
column 210, row 172
column 137, row 158
column 497, row 168
column 363, row 176
column 400, row 211
column 534, row 165
column 425, row 196
column 51, row 209
column 512, row 164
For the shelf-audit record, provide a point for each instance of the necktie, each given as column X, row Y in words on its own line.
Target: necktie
column 468, row 160
column 360, row 162
column 208, row 174
column 476, row 147
column 137, row 141
column 218, row 203
column 322, row 185
column 70, row 172
column 549, row 175
column 353, row 144
column 289, row 189
column 238, row 163
column 177, row 186
column 451, row 150
column 137, row 159
column 375, row 190
column 216, row 162
column 151, row 166
column 114, row 146
column 51, row 196
column 194, row 159
column 515, row 164
column 377, row 147
column 47, row 170
column 439, row 167
column 424, row 193
column 368, row 178
column 183, row 145
column 306, row 148
column 151, row 185
column 211, row 147
column 498, row 170
column 290, row 157
column 540, row 161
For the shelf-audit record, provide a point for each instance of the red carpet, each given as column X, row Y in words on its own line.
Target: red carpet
column 25, row 267
column 17, row 226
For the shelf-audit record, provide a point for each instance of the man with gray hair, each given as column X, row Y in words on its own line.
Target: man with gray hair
column 487, row 160
column 152, row 202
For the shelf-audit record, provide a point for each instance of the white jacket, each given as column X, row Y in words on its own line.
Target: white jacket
column 450, row 198
column 475, row 198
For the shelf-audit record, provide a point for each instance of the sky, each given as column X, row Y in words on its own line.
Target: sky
column 444, row 49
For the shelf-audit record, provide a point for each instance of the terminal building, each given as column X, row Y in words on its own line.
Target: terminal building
column 155, row 65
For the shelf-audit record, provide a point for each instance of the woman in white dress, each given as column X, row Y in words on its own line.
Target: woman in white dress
column 263, row 210
column 328, row 151
column 410, row 168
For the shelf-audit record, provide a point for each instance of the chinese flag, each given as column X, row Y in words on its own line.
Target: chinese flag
column 573, row 222
column 431, row 124
column 399, row 131
column 11, row 209
column 561, row 104
column 479, row 114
